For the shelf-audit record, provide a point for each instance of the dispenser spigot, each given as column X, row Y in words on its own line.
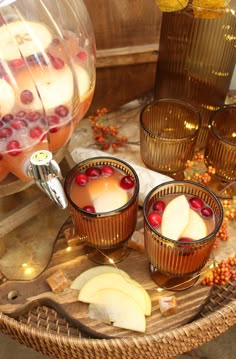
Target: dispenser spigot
column 47, row 174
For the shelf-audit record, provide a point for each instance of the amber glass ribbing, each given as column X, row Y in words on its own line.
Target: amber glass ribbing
column 220, row 149
column 104, row 230
column 168, row 134
column 174, row 258
column 196, row 58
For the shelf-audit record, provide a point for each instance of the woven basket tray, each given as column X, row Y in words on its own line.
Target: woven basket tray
column 46, row 331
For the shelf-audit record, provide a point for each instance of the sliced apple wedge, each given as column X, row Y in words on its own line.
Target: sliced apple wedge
column 196, row 228
column 114, row 281
column 79, row 281
column 23, row 38
column 118, row 308
column 175, row 217
column 107, row 195
column 148, row 303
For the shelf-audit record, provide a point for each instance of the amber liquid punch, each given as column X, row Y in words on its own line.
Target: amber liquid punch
column 103, row 201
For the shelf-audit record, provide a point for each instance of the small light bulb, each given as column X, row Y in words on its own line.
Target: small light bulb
column 28, row 271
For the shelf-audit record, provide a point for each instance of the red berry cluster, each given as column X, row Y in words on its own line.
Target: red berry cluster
column 229, row 214
column 106, row 135
column 201, row 174
column 223, row 231
column 223, row 273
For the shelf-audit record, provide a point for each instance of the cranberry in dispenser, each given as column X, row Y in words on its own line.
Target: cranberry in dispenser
column 47, row 80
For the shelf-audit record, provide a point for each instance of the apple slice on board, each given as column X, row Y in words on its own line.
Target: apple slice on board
column 114, row 281
column 196, row 227
column 116, row 307
column 88, row 274
column 175, row 217
column 147, row 297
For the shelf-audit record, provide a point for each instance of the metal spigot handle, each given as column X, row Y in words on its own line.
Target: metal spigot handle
column 47, row 174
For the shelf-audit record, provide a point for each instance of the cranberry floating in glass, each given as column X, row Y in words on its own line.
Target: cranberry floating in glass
column 47, row 80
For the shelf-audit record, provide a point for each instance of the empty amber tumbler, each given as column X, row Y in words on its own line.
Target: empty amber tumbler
column 168, row 135
column 220, row 151
column 105, row 232
column 176, row 264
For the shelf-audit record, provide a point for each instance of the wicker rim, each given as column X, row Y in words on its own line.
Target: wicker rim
column 167, row 343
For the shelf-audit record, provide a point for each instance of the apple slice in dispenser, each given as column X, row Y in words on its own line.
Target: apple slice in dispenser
column 54, row 89
column 29, row 38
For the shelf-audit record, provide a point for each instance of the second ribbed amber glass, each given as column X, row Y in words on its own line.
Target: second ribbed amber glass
column 168, row 134
column 220, row 150
column 174, row 264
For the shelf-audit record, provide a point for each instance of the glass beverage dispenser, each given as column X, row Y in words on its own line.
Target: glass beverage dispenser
column 47, row 79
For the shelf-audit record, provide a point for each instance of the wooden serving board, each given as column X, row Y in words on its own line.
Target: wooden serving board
column 19, row 297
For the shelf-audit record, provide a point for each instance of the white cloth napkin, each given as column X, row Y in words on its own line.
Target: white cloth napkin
column 148, row 179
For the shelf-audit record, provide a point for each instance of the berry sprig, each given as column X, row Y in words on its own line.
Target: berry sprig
column 229, row 215
column 222, row 274
column 229, row 208
column 197, row 171
column 106, row 135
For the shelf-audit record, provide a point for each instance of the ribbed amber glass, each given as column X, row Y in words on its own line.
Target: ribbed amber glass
column 168, row 134
column 105, row 230
column 220, row 149
column 174, row 258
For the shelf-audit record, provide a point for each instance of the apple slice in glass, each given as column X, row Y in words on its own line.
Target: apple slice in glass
column 175, row 217
column 196, row 227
